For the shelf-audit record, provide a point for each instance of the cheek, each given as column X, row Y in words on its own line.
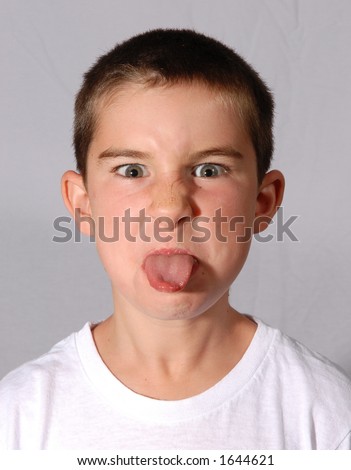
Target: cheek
column 119, row 259
column 231, row 228
column 236, row 203
column 110, row 212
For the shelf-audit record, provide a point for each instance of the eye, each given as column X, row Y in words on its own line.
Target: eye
column 132, row 170
column 209, row 170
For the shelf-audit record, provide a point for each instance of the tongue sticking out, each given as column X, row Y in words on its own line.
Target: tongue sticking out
column 169, row 273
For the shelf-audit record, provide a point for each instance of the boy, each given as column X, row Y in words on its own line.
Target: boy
column 173, row 140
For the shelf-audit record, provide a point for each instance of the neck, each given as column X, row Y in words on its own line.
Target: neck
column 198, row 351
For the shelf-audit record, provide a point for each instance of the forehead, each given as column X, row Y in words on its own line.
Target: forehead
column 188, row 110
column 177, row 97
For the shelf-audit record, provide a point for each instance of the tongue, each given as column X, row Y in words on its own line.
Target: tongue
column 168, row 273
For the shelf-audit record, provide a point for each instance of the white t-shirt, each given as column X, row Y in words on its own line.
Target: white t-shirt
column 279, row 396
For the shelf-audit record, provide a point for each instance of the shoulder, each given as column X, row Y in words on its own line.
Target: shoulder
column 310, row 387
column 308, row 366
column 36, row 373
column 27, row 393
column 32, row 384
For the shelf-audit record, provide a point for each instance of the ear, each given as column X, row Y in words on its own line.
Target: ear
column 76, row 199
column 269, row 198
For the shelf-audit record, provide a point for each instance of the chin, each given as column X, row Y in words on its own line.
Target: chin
column 179, row 306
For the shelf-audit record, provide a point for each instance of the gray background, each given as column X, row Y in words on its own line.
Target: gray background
column 301, row 48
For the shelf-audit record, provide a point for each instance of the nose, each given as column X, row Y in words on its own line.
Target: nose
column 172, row 197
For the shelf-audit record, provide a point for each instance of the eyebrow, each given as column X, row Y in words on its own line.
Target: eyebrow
column 225, row 151
column 115, row 153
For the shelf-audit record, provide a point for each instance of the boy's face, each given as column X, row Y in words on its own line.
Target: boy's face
column 181, row 154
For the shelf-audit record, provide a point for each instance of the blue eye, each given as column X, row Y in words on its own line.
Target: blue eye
column 131, row 170
column 209, row 170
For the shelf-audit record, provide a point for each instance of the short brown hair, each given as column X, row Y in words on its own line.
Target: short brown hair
column 169, row 56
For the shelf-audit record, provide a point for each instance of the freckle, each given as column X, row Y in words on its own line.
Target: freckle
column 167, row 202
